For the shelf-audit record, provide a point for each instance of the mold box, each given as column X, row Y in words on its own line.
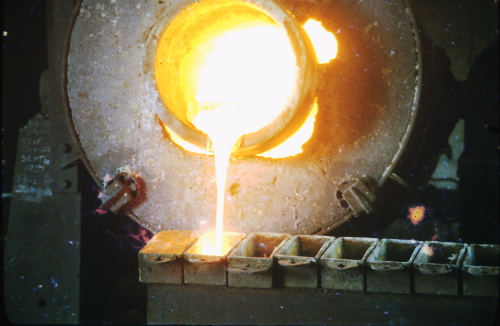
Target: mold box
column 299, row 258
column 389, row 266
column 343, row 264
column 160, row 261
column 251, row 263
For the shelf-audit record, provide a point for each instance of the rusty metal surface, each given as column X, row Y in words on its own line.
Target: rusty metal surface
column 480, row 270
column 251, row 263
column 184, row 304
column 390, row 266
column 367, row 101
column 160, row 261
column 299, row 260
column 437, row 268
column 343, row 264
column 201, row 268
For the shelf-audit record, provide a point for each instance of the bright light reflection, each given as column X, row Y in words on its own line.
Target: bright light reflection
column 247, row 80
column 248, row 77
column 293, row 144
column 324, row 43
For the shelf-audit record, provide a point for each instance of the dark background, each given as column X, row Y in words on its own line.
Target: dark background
column 470, row 25
column 24, row 58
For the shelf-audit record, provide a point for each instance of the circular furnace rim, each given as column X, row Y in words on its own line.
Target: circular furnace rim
column 99, row 176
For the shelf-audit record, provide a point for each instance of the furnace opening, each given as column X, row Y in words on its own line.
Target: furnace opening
column 244, row 67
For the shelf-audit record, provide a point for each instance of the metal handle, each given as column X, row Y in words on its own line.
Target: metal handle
column 427, row 270
column 342, row 265
column 480, row 271
column 388, row 268
column 160, row 259
column 204, row 260
column 288, row 263
column 243, row 270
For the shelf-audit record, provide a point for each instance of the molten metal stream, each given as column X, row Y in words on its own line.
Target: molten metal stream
column 242, row 88
column 246, row 82
column 223, row 141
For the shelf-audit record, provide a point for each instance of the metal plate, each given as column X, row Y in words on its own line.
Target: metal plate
column 367, row 101
column 182, row 304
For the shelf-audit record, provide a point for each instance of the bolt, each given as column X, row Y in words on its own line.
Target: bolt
column 65, row 148
column 64, row 184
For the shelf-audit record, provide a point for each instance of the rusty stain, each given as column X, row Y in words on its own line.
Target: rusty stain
column 234, row 189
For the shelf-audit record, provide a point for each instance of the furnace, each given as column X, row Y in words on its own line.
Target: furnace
column 366, row 101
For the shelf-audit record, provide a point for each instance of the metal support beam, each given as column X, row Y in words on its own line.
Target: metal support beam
column 216, row 305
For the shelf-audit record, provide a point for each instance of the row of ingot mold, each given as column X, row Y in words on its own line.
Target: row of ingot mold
column 251, row 264
column 299, row 260
column 268, row 260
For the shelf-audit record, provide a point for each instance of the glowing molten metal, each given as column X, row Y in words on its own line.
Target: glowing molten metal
column 235, row 77
column 416, row 214
column 242, row 88
column 324, row 43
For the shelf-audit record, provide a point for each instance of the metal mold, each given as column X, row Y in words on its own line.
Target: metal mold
column 251, row 263
column 437, row 267
column 206, row 268
column 160, row 261
column 343, row 265
column 480, row 270
column 299, row 258
column 390, row 266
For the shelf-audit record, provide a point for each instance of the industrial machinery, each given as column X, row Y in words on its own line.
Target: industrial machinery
column 400, row 155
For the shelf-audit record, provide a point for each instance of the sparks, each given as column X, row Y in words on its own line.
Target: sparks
column 101, row 211
column 416, row 214
column 429, row 251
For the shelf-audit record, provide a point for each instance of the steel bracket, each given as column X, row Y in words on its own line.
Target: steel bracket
column 359, row 196
column 121, row 190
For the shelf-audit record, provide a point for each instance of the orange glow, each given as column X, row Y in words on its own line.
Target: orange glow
column 241, row 89
column 207, row 243
column 293, row 144
column 248, row 77
column 416, row 214
column 429, row 251
column 324, row 43
column 184, row 144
